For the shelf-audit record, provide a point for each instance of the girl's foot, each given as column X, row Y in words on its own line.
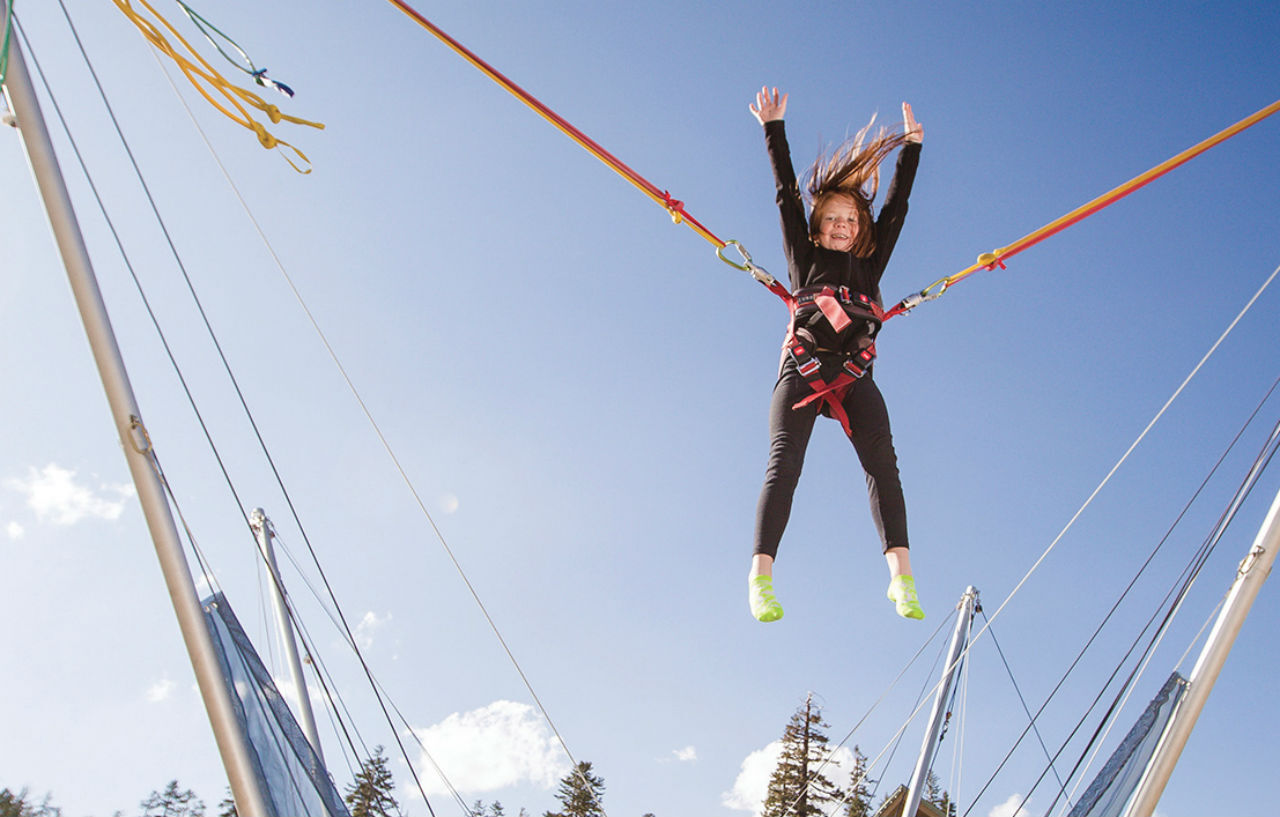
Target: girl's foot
column 764, row 605
column 902, row 592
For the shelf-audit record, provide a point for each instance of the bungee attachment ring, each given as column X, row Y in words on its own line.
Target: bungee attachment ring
column 746, row 265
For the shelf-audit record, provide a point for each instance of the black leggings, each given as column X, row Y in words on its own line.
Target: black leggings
column 789, row 431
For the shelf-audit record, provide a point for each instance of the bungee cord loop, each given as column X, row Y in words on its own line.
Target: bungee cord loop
column 203, row 74
column 995, row 258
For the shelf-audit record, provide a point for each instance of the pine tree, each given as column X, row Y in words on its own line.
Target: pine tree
column 580, row 794
column 494, row 809
column 371, row 793
column 934, row 793
column 16, row 804
column 859, row 792
column 799, row 787
column 227, row 808
column 173, row 802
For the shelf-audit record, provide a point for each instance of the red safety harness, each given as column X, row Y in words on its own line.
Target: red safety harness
column 831, row 338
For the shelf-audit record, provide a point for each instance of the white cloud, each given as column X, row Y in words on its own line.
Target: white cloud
column 1010, row 808
column 161, row 690
column 500, row 745
column 752, row 784
column 749, row 789
column 686, row 755
column 449, row 503
column 14, row 531
column 53, row 494
column 369, row 625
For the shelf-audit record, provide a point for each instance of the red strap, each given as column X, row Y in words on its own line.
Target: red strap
column 833, row 395
column 830, row 307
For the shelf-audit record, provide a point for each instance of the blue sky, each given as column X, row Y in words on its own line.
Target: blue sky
column 578, row 389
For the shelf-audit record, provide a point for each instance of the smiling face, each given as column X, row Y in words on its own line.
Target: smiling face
column 836, row 221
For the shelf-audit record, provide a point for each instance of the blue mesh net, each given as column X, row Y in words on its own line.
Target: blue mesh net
column 293, row 779
column 1109, row 792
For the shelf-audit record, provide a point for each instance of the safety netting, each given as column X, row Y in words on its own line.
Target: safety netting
column 1109, row 792
column 292, row 777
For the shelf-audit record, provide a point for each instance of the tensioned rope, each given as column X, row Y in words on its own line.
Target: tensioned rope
column 1031, row 720
column 226, row 364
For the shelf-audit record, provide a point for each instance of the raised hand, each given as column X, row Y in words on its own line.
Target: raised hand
column 769, row 105
column 913, row 129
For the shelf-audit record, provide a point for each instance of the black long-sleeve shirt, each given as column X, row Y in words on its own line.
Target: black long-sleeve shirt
column 811, row 265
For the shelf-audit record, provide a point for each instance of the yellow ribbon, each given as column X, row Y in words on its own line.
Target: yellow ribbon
column 203, row 74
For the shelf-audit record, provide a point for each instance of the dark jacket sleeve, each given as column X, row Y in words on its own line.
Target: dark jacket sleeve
column 795, row 228
column 894, row 211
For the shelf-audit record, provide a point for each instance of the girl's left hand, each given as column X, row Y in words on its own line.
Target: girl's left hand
column 913, row 129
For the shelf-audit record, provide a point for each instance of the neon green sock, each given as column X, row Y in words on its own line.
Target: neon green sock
column 902, row 592
column 764, row 604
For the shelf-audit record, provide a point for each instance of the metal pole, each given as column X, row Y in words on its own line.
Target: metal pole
column 137, row 443
column 968, row 603
column 1253, row 571
column 262, row 527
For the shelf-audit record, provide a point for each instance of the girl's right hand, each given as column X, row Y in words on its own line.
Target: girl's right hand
column 769, row 106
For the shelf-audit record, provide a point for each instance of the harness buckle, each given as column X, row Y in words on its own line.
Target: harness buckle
column 858, row 364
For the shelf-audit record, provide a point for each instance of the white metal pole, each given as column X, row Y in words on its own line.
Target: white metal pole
column 137, row 444
column 1253, row 571
column 966, row 606
column 262, row 527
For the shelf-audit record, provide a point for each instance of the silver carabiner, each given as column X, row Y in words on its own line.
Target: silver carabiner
column 747, row 266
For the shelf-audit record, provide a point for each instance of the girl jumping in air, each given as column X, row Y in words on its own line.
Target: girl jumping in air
column 835, row 259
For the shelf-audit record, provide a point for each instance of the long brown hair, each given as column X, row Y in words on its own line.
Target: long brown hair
column 852, row 169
